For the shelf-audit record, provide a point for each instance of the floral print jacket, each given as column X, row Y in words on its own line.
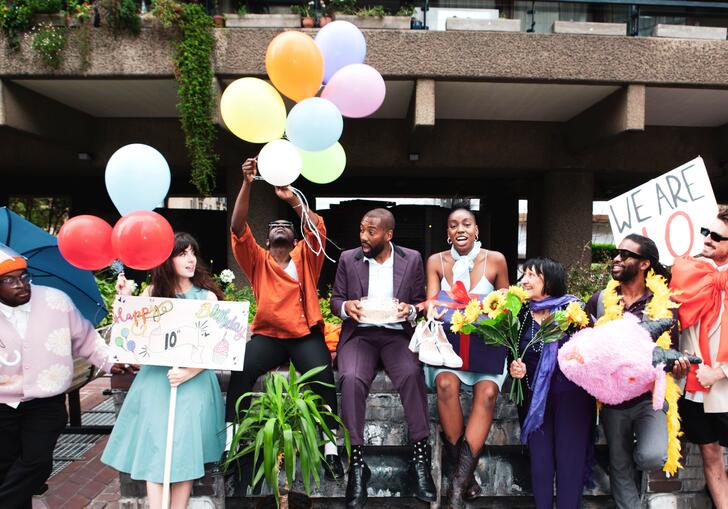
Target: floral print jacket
column 41, row 365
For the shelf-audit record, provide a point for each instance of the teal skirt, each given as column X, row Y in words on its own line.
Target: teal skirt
column 137, row 443
column 468, row 378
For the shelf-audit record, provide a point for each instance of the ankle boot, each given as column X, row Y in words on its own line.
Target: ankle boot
column 463, row 474
column 420, row 471
column 452, row 453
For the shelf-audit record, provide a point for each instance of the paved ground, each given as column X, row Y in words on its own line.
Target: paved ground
column 80, row 480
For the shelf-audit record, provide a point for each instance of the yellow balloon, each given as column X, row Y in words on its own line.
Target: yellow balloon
column 253, row 110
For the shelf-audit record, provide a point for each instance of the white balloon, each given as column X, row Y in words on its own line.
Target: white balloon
column 279, row 163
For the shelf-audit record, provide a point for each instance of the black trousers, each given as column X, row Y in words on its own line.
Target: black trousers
column 263, row 353
column 28, row 435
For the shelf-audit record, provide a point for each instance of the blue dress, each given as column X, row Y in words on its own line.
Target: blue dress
column 137, row 443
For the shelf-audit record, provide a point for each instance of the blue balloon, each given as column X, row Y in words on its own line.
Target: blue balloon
column 314, row 124
column 137, row 178
column 341, row 44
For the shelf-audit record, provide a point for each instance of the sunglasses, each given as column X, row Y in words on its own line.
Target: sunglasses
column 624, row 254
column 280, row 224
column 715, row 236
column 12, row 281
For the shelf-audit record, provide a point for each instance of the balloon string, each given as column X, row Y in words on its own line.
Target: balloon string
column 307, row 223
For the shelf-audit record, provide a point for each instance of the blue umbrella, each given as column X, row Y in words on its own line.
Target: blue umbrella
column 48, row 267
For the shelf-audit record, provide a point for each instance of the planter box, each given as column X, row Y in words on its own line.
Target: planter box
column 589, row 28
column 483, row 25
column 377, row 22
column 263, row 21
column 690, row 32
column 57, row 19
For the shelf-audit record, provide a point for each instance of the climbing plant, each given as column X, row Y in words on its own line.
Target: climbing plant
column 15, row 17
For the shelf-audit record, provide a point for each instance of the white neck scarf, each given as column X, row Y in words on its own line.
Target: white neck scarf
column 464, row 264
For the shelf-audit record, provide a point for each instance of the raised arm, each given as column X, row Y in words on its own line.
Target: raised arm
column 242, row 203
column 285, row 194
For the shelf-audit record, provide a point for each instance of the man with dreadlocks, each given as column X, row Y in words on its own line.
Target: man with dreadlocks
column 635, row 265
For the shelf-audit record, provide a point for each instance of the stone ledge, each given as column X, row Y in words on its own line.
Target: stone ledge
column 690, row 32
column 483, row 25
column 377, row 22
column 263, row 21
column 589, row 28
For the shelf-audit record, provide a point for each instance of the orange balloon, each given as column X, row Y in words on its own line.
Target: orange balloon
column 295, row 65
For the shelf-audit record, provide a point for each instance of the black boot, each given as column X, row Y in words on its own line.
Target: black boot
column 463, row 473
column 359, row 475
column 420, row 471
column 452, row 453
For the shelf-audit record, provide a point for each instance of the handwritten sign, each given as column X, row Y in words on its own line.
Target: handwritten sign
column 179, row 332
column 669, row 209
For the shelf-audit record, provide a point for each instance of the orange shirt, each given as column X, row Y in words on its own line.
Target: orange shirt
column 286, row 308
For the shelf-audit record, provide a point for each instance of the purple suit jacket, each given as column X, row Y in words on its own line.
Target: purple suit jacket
column 352, row 283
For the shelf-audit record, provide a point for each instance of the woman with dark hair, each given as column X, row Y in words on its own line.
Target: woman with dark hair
column 138, row 441
column 556, row 416
column 480, row 271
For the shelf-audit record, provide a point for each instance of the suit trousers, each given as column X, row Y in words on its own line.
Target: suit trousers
column 357, row 362
column 28, row 435
column 637, row 439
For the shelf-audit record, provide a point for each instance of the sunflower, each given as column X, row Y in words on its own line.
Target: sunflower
column 519, row 292
column 457, row 321
column 493, row 304
column 472, row 311
column 576, row 315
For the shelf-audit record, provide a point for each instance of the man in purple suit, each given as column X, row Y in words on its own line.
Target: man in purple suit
column 380, row 270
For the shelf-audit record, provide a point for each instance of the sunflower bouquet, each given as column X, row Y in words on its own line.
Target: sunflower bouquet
column 502, row 326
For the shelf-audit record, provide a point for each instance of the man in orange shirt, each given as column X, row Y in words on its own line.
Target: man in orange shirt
column 288, row 325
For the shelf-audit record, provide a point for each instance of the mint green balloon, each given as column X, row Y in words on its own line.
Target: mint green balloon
column 325, row 166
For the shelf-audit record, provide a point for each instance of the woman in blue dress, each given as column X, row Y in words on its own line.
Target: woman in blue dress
column 138, row 441
column 484, row 368
column 556, row 415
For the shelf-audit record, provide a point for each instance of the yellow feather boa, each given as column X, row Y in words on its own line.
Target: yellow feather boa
column 659, row 307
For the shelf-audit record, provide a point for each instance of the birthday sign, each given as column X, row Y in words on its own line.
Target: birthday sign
column 179, row 332
column 669, row 209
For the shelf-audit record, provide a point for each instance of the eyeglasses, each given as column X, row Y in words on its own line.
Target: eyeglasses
column 280, row 224
column 624, row 254
column 13, row 281
column 715, row 236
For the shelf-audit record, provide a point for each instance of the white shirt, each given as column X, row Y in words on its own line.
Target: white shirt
column 18, row 316
column 291, row 270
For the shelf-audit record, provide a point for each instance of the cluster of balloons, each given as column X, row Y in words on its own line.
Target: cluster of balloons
column 137, row 179
column 298, row 66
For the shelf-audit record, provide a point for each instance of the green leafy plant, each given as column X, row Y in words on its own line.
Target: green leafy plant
column 325, row 305
column 196, row 100
column 601, row 252
column 15, row 17
column 374, row 11
column 121, row 15
column 586, row 278
column 83, row 13
column 106, row 282
column 232, row 293
column 167, row 12
column 46, row 6
column 405, row 10
column 284, row 425
column 49, row 43
column 342, row 6
column 243, row 10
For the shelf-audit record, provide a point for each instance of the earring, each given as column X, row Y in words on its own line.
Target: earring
column 449, row 241
column 476, row 238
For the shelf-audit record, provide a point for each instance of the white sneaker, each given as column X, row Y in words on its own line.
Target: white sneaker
column 414, row 345
column 449, row 358
column 429, row 353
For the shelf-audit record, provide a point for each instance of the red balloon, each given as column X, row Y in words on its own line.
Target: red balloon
column 85, row 242
column 142, row 239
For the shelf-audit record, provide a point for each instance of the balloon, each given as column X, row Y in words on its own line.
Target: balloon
column 341, row 44
column 279, row 163
column 253, row 110
column 314, row 124
column 85, row 242
column 137, row 178
column 324, row 166
column 357, row 90
column 142, row 240
column 295, row 65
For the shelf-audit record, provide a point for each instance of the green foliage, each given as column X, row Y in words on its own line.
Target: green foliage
column 106, row 282
column 376, row 10
column 586, row 278
column 49, row 43
column 195, row 94
column 284, row 424
column 46, row 6
column 342, row 6
column 243, row 10
column 121, row 15
column 325, row 305
column 167, row 12
column 600, row 252
column 405, row 10
column 15, row 17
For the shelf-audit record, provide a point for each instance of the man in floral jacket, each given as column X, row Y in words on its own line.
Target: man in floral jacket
column 41, row 331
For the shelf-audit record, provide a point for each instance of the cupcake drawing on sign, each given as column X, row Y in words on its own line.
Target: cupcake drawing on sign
column 221, row 350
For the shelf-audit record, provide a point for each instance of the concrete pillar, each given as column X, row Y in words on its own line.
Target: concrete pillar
column 560, row 216
column 499, row 225
column 264, row 208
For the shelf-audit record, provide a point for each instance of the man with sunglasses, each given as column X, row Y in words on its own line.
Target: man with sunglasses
column 636, row 434
column 288, row 325
column 701, row 285
column 41, row 331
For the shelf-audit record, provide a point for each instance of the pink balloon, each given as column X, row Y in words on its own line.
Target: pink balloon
column 357, row 90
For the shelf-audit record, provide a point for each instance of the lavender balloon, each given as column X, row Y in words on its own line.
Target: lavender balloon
column 341, row 44
column 357, row 90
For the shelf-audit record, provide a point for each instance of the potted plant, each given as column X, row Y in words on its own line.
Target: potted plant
column 47, row 12
column 304, row 10
column 283, row 424
column 377, row 17
column 255, row 15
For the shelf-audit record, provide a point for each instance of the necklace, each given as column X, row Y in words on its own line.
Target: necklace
column 538, row 347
